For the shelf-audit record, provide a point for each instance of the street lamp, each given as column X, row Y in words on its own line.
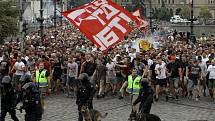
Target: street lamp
column 55, row 13
column 142, row 3
column 150, row 15
column 192, row 37
column 41, row 19
column 61, row 16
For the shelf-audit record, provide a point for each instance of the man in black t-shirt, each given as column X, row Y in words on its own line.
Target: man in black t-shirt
column 56, row 75
column 5, row 67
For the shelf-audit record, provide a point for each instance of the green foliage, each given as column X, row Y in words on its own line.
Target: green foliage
column 185, row 11
column 205, row 13
column 8, row 19
column 162, row 13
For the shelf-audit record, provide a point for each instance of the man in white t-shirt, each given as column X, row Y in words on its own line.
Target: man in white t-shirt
column 160, row 70
column 72, row 72
column 19, row 67
column 211, row 71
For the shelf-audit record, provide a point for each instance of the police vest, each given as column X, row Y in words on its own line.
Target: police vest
column 133, row 85
column 41, row 78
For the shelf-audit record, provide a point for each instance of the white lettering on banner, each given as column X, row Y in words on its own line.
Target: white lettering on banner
column 114, row 23
column 111, row 37
column 90, row 8
column 100, row 2
column 125, row 17
column 102, row 46
column 75, row 14
column 107, row 8
column 96, row 13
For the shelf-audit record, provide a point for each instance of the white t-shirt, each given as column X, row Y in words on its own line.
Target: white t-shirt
column 150, row 62
column 72, row 69
column 211, row 70
column 18, row 66
column 132, row 55
column 162, row 70
column 110, row 66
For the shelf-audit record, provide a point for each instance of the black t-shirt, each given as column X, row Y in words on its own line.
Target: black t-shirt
column 194, row 72
column 5, row 68
column 152, row 68
column 89, row 68
column 118, row 70
column 184, row 65
column 174, row 69
column 57, row 69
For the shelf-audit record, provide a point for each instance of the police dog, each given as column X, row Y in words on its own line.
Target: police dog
column 147, row 117
column 91, row 114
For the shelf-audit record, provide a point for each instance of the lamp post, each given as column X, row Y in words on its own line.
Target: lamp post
column 150, row 15
column 61, row 16
column 192, row 36
column 41, row 19
column 191, row 19
column 55, row 13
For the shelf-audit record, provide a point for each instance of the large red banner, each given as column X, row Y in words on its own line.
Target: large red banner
column 103, row 22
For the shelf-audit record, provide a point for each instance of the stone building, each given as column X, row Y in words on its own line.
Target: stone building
column 174, row 4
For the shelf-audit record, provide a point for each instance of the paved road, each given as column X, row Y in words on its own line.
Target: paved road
column 61, row 108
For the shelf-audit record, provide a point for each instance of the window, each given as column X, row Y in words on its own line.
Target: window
column 169, row 1
column 173, row 1
column 159, row 1
column 211, row 1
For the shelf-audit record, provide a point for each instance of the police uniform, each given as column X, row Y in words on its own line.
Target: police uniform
column 85, row 94
column 145, row 98
column 42, row 78
column 32, row 102
column 8, row 99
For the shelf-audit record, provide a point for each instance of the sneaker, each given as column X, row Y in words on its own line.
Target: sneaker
column 156, row 99
column 197, row 99
column 121, row 97
column 167, row 98
column 176, row 97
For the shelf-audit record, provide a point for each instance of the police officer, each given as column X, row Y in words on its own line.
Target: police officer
column 145, row 98
column 8, row 99
column 31, row 102
column 85, row 94
column 42, row 78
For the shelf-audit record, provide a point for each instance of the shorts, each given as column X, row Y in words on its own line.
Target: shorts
column 112, row 80
column 64, row 79
column 161, row 82
column 120, row 79
column 191, row 84
column 16, row 79
column 211, row 83
column 72, row 82
column 175, row 82
column 56, row 77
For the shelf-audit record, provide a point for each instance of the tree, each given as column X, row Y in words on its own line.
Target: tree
column 185, row 11
column 205, row 14
column 8, row 19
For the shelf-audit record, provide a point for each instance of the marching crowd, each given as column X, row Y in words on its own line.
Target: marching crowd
column 177, row 69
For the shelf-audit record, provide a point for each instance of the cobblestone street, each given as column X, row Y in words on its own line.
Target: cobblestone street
column 61, row 108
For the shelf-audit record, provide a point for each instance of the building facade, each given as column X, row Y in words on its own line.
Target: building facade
column 124, row 3
column 175, row 4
